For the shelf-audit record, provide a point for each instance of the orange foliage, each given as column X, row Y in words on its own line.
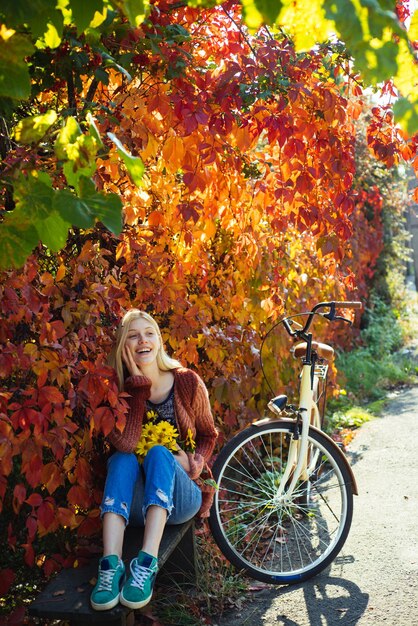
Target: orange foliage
column 247, row 208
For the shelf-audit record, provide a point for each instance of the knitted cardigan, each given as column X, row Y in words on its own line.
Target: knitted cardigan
column 192, row 411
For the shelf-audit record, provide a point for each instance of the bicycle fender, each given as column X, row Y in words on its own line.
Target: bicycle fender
column 321, row 432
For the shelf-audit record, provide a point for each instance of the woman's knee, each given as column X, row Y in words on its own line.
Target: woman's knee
column 124, row 462
column 158, row 454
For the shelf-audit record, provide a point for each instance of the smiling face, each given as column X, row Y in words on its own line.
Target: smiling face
column 143, row 341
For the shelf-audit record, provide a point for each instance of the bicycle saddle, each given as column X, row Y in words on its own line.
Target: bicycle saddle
column 322, row 349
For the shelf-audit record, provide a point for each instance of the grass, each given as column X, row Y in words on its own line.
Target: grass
column 386, row 361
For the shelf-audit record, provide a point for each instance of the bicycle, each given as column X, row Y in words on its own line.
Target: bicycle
column 284, row 501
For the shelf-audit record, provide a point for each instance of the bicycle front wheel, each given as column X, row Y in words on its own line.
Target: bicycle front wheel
column 279, row 539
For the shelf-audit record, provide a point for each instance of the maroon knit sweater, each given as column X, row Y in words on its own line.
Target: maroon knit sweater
column 192, row 410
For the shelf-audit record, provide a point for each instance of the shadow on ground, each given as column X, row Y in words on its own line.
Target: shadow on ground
column 326, row 600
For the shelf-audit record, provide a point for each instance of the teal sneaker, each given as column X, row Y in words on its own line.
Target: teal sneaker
column 105, row 594
column 137, row 591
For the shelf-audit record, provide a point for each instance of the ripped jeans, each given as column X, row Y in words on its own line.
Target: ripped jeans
column 160, row 480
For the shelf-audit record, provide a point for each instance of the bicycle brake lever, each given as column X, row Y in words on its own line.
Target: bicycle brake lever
column 343, row 319
column 293, row 323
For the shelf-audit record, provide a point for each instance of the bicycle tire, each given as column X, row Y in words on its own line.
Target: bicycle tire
column 278, row 542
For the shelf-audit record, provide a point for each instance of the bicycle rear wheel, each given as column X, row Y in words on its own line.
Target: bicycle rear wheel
column 275, row 540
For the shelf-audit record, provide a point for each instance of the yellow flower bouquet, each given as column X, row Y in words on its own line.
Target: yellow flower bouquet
column 161, row 434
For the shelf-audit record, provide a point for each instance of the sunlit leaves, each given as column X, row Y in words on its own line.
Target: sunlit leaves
column 83, row 12
column 78, row 150
column 14, row 74
column 406, row 78
column 133, row 164
column 313, row 28
column 258, row 12
column 35, row 15
column 94, row 132
column 135, row 10
column 369, row 31
column 32, row 129
column 43, row 214
column 247, row 205
column 406, row 114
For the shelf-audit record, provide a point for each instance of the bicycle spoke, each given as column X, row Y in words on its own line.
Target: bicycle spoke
column 266, row 532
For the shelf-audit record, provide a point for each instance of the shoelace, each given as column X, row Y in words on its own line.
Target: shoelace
column 139, row 574
column 105, row 579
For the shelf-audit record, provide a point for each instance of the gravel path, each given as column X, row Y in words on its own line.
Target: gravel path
column 374, row 580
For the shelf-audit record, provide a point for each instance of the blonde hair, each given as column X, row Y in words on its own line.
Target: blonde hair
column 164, row 362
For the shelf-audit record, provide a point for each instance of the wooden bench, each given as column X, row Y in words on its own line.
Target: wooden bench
column 67, row 596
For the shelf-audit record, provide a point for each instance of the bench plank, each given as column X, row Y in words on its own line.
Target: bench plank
column 67, row 596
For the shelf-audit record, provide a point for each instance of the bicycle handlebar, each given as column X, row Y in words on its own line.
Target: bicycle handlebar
column 330, row 315
column 348, row 305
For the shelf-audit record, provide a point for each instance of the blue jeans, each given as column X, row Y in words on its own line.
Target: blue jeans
column 160, row 480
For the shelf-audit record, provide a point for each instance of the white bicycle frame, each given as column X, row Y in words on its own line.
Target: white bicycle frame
column 297, row 461
column 298, row 467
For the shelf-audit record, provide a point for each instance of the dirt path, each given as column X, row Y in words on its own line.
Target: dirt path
column 375, row 579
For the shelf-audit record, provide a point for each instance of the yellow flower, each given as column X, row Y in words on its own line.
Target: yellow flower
column 160, row 434
column 151, row 416
column 189, row 444
column 167, row 429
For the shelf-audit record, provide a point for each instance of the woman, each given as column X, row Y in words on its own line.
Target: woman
column 162, row 489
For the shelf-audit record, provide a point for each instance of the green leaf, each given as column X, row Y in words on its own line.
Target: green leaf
column 17, row 240
column 367, row 31
column 53, row 231
column 268, row 9
column 107, row 208
column 86, row 187
column 34, row 219
column 67, row 135
column 109, row 61
column 211, row 482
column 73, row 209
column 350, row 24
column 406, row 78
column 313, row 28
column 93, row 130
column 73, row 172
column 205, row 4
column 33, row 129
column 50, row 39
column 406, row 115
column 133, row 164
column 101, row 75
column 14, row 73
column 84, row 11
column 251, row 14
column 78, row 150
column 33, row 196
column 135, row 10
column 258, row 12
column 35, row 14
column 413, row 27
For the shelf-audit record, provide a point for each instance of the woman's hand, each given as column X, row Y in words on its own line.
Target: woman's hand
column 182, row 458
column 129, row 361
